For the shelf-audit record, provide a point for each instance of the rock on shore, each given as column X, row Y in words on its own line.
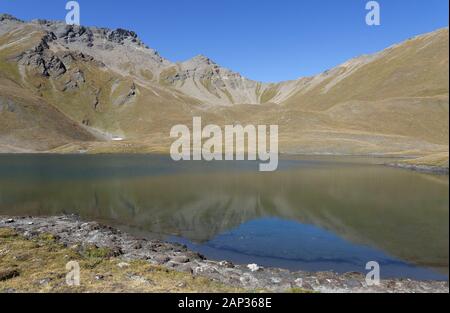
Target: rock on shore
column 71, row 230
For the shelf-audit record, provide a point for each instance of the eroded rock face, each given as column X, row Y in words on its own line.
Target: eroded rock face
column 54, row 64
column 43, row 60
column 207, row 80
column 76, row 80
column 88, row 36
column 123, row 52
column 46, row 63
column 120, row 35
column 74, row 33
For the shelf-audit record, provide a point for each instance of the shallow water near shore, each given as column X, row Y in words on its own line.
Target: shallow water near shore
column 313, row 214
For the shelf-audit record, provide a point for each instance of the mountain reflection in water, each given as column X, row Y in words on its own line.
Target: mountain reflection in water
column 313, row 214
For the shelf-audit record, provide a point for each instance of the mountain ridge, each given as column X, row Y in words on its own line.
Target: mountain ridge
column 176, row 74
column 110, row 84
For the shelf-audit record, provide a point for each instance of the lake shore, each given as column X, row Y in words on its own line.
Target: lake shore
column 437, row 170
column 432, row 164
column 72, row 232
column 437, row 163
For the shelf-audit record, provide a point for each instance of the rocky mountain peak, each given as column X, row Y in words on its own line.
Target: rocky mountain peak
column 120, row 35
column 202, row 63
column 81, row 34
column 88, row 35
column 119, row 49
column 202, row 59
column 9, row 17
column 199, row 63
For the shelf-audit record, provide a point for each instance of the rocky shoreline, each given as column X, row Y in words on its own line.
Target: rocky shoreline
column 437, row 170
column 71, row 230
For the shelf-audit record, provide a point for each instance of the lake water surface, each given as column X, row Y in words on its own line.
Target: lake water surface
column 313, row 214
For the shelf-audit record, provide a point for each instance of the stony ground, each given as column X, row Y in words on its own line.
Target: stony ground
column 34, row 251
column 39, row 265
column 421, row 168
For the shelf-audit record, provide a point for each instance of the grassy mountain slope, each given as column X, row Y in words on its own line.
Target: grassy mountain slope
column 107, row 84
column 415, row 68
column 27, row 122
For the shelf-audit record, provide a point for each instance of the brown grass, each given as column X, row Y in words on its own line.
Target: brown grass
column 39, row 265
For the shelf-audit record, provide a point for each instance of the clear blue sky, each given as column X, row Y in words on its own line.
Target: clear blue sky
column 267, row 40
